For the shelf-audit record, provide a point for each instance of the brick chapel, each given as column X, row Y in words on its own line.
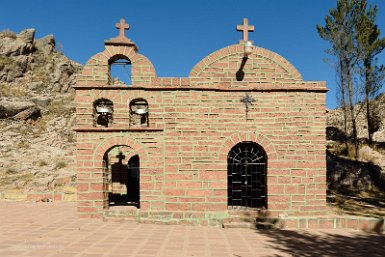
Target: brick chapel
column 243, row 131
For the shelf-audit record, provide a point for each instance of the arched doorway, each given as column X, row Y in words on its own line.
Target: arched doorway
column 122, row 177
column 246, row 176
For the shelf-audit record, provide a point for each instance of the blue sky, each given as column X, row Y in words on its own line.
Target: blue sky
column 175, row 35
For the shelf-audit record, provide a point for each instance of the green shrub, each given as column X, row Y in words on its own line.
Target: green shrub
column 42, row 163
column 61, row 164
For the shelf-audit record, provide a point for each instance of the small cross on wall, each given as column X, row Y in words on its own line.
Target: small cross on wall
column 245, row 28
column 247, row 100
column 122, row 26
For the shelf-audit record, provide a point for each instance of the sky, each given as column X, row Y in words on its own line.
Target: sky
column 175, row 35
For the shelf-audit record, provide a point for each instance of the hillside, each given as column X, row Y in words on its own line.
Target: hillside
column 357, row 186
column 36, row 114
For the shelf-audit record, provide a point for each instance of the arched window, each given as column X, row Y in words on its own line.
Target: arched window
column 103, row 112
column 119, row 70
column 139, row 113
column 246, row 170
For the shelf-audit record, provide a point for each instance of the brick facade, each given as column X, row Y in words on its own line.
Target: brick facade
column 193, row 123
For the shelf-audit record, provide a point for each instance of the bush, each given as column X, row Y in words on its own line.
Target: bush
column 42, row 163
column 60, row 165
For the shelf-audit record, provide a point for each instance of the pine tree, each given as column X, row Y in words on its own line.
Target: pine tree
column 369, row 45
column 339, row 30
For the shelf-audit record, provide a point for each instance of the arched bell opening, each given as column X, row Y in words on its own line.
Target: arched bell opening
column 139, row 113
column 119, row 70
column 103, row 112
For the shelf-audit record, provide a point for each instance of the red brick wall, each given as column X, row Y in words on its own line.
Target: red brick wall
column 195, row 121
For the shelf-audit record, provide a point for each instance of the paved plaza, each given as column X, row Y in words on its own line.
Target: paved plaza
column 53, row 229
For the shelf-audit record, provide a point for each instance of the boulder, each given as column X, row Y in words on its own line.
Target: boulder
column 63, row 71
column 46, row 44
column 19, row 45
column 31, row 114
column 42, row 101
column 379, row 136
column 36, row 86
column 27, row 35
column 15, row 68
column 10, row 108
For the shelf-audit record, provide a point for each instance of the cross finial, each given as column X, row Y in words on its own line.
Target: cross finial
column 122, row 26
column 245, row 28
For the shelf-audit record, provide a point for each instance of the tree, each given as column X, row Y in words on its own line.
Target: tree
column 339, row 31
column 369, row 45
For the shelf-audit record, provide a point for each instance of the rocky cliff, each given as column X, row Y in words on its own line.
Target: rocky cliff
column 36, row 114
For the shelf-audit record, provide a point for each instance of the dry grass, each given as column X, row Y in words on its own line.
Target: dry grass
column 3, row 124
column 8, row 33
column 61, row 106
column 23, row 145
column 6, row 90
column 11, row 170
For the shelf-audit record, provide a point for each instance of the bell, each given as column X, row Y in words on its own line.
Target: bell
column 103, row 109
column 141, row 111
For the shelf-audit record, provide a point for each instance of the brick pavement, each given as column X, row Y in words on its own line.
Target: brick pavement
column 53, row 229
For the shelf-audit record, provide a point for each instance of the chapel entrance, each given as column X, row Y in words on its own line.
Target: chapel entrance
column 123, row 180
column 246, row 176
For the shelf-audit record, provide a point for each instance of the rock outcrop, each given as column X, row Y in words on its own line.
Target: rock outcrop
column 36, row 113
column 368, row 172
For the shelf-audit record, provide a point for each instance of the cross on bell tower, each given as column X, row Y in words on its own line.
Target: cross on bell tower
column 245, row 28
column 122, row 26
column 121, row 39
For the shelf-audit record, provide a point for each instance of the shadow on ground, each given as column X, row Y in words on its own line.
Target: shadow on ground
column 302, row 243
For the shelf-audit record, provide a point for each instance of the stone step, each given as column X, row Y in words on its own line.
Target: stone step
column 264, row 225
column 119, row 219
column 122, row 212
column 239, row 219
column 238, row 224
column 266, row 220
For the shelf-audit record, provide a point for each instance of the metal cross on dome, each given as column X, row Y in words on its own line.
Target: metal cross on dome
column 122, row 26
column 247, row 100
column 245, row 28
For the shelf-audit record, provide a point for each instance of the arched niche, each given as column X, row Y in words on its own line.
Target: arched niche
column 139, row 113
column 103, row 110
